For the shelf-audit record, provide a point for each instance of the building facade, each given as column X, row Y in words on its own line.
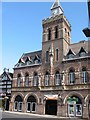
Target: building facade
column 56, row 79
column 5, row 87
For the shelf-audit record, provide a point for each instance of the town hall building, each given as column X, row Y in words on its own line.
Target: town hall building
column 56, row 79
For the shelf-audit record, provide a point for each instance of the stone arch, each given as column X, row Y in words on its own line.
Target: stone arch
column 31, row 94
column 14, row 96
column 87, row 98
column 76, row 94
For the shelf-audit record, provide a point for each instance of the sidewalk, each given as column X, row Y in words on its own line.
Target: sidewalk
column 44, row 116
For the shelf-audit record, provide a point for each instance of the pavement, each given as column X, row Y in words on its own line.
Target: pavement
column 9, row 115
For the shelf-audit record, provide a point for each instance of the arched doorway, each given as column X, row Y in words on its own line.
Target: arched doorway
column 89, row 109
column 31, row 104
column 18, row 103
column 51, row 107
column 74, row 106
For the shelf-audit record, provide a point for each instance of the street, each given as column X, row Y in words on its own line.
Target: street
column 7, row 115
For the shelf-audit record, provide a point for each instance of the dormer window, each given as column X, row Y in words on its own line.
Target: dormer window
column 70, row 54
column 82, row 52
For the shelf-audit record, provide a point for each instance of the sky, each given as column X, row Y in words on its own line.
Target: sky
column 22, row 27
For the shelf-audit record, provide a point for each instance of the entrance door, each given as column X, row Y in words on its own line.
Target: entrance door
column 31, row 107
column 51, row 107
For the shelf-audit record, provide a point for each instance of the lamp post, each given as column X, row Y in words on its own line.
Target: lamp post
column 86, row 31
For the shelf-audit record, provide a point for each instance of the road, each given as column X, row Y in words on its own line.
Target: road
column 28, row 116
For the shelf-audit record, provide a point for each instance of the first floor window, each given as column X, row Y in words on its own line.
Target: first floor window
column 71, row 77
column 57, row 79
column 46, row 80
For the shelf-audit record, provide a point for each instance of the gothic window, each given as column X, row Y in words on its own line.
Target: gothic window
column 57, row 78
column 35, row 79
column 49, row 34
column 56, row 54
column 71, row 76
column 47, row 79
column 27, row 79
column 84, row 75
column 19, row 80
column 56, row 32
column 47, row 56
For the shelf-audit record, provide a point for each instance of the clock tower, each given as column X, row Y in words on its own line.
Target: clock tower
column 56, row 33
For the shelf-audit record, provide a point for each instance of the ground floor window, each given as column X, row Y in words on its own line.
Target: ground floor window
column 74, row 107
column 31, row 104
column 18, row 103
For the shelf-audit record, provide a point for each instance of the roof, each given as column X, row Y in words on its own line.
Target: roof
column 77, row 46
column 31, row 57
column 8, row 74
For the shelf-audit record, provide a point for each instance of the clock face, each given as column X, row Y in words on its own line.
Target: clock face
column 55, row 11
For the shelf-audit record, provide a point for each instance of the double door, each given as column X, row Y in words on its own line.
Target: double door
column 74, row 110
column 18, row 106
column 31, row 106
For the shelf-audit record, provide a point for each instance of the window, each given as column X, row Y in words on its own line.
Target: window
column 71, row 56
column 57, row 78
column 56, row 32
column 49, row 34
column 27, row 79
column 19, row 80
column 47, row 77
column 47, row 56
column 82, row 54
column 56, row 54
column 84, row 75
column 35, row 80
column 71, row 77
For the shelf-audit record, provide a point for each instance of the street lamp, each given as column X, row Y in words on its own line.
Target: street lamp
column 86, row 31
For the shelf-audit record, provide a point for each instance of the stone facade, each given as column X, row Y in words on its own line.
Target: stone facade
column 55, row 80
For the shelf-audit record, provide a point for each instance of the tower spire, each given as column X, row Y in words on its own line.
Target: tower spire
column 56, row 8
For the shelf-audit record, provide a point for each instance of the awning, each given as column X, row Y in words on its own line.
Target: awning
column 51, row 97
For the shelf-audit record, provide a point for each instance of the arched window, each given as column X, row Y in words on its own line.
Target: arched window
column 19, row 80
column 57, row 78
column 35, row 79
column 56, row 54
column 49, row 34
column 47, row 56
column 56, row 32
column 26, row 79
column 84, row 75
column 47, row 79
column 71, row 76
column 18, row 103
